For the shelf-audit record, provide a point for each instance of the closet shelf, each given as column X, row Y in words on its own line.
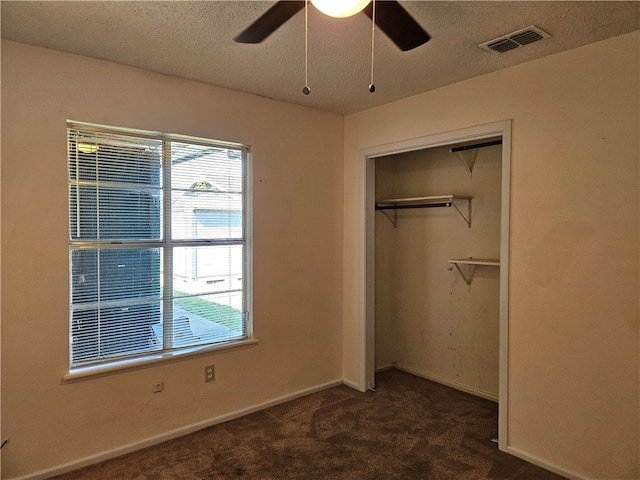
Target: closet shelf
column 476, row 261
column 424, row 202
column 419, row 202
column 472, row 264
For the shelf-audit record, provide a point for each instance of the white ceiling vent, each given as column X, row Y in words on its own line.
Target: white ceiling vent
column 515, row 39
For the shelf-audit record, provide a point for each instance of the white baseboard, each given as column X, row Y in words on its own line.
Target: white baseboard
column 385, row 367
column 179, row 432
column 543, row 464
column 351, row 384
column 448, row 383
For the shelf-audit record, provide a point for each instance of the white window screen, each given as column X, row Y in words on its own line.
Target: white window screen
column 157, row 244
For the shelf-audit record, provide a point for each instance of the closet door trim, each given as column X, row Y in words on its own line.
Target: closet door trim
column 367, row 250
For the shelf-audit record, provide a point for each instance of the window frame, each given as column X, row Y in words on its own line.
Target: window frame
column 166, row 243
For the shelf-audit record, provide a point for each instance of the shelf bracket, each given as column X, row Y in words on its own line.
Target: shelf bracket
column 468, row 217
column 469, row 159
column 393, row 219
column 466, row 278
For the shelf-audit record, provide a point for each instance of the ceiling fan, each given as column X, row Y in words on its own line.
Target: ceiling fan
column 390, row 17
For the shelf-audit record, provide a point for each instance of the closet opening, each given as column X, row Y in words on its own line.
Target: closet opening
column 436, row 223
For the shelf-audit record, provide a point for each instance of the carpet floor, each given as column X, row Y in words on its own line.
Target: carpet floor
column 409, row 429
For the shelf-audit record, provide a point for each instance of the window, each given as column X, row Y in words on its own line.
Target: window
column 158, row 244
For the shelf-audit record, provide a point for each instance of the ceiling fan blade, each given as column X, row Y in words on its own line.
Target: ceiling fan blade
column 270, row 21
column 398, row 24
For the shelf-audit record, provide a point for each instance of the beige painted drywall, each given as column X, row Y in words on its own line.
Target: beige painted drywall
column 428, row 320
column 297, row 261
column 573, row 305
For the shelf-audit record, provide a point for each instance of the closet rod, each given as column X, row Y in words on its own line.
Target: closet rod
column 398, row 207
column 476, row 145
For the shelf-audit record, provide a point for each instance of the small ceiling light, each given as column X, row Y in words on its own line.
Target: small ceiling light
column 340, row 8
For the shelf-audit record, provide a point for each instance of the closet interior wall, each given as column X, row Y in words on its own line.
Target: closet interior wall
column 428, row 321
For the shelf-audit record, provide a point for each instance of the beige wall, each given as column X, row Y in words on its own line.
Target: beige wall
column 573, row 315
column 297, row 188
column 427, row 320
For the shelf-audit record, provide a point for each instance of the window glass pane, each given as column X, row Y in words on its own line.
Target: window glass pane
column 115, row 331
column 208, row 292
column 128, row 214
column 115, row 186
column 209, row 318
column 139, row 164
column 221, row 168
column 83, row 221
column 114, row 214
column 84, row 276
column 129, row 274
column 111, row 158
column 108, row 275
column 208, row 269
column 116, row 300
column 207, row 196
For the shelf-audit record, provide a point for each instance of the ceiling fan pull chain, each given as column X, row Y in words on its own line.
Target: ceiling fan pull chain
column 306, row 88
column 372, row 87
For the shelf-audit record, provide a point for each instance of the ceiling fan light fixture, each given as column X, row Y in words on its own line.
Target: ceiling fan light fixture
column 340, row 8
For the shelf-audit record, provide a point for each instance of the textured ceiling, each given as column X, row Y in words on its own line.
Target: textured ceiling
column 194, row 40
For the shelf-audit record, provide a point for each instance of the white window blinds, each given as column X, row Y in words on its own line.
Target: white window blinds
column 158, row 249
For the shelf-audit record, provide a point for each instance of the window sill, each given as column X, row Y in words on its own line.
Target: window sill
column 95, row 371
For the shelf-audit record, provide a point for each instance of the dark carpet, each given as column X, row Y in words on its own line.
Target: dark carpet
column 410, row 429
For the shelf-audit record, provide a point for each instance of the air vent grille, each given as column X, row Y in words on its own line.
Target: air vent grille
column 515, row 39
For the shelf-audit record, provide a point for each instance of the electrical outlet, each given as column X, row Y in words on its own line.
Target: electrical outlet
column 157, row 387
column 209, row 374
